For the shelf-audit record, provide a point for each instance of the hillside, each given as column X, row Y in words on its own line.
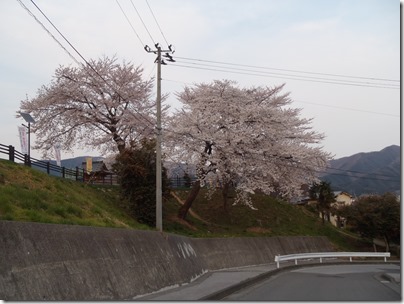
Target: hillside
column 30, row 195
column 382, row 172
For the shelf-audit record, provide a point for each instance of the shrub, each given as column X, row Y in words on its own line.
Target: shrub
column 136, row 170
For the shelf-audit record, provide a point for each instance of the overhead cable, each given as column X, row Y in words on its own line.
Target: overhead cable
column 282, row 74
column 158, row 25
column 301, row 101
column 130, row 23
column 49, row 33
column 296, row 77
column 288, row 70
column 88, row 64
column 140, row 17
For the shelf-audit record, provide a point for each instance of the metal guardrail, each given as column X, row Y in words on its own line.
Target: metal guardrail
column 321, row 255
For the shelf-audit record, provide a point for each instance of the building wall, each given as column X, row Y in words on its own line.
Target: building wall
column 342, row 199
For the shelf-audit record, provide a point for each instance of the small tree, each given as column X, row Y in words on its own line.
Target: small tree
column 322, row 193
column 136, row 169
column 375, row 216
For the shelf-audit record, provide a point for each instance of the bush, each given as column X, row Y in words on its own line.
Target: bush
column 136, row 170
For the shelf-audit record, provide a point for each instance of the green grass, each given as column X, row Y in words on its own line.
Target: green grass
column 30, row 195
column 273, row 218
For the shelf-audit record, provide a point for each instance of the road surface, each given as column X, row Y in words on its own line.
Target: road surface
column 378, row 282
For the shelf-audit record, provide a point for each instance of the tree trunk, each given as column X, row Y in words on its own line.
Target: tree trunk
column 182, row 213
column 120, row 143
column 225, row 192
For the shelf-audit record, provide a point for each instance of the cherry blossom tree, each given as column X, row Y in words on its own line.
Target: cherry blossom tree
column 248, row 137
column 103, row 105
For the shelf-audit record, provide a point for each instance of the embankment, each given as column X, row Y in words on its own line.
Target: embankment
column 66, row 262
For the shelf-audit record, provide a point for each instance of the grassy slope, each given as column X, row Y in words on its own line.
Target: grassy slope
column 273, row 218
column 30, row 195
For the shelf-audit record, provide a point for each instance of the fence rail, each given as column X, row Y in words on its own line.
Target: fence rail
column 78, row 174
column 321, row 255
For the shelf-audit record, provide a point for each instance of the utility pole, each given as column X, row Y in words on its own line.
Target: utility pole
column 159, row 61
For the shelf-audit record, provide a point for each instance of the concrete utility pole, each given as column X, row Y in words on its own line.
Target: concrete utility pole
column 159, row 61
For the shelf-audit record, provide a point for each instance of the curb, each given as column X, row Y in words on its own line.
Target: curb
column 392, row 278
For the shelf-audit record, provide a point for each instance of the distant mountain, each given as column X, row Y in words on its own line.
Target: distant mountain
column 371, row 172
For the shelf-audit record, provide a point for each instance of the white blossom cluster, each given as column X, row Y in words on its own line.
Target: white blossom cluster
column 247, row 137
column 104, row 107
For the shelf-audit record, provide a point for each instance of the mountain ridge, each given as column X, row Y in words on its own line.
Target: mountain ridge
column 366, row 172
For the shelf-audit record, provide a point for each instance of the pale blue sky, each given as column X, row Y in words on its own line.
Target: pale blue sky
column 353, row 37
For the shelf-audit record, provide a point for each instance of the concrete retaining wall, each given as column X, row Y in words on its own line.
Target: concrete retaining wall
column 66, row 262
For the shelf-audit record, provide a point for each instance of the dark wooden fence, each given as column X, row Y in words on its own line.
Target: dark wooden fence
column 78, row 174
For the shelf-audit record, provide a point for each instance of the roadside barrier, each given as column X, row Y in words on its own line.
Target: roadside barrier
column 321, row 255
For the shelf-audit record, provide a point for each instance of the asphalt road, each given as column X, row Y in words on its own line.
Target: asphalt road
column 327, row 283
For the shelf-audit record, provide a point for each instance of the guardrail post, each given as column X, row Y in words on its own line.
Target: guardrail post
column 385, row 259
column 63, row 172
column 295, row 261
column 11, row 153
column 321, row 260
column 277, row 260
column 48, row 167
column 350, row 259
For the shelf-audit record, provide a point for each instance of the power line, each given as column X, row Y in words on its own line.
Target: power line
column 358, row 177
column 255, row 73
column 49, row 33
column 263, row 71
column 155, row 19
column 282, row 74
column 130, row 23
column 142, row 114
column 78, row 53
column 288, row 70
column 300, row 101
column 359, row 172
column 147, row 30
column 348, row 109
column 88, row 64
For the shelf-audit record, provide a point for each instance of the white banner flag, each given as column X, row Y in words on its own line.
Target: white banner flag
column 23, row 139
column 57, row 154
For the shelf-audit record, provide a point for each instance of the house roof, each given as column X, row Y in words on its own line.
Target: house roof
column 337, row 193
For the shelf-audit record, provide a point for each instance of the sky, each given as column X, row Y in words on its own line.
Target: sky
column 339, row 60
